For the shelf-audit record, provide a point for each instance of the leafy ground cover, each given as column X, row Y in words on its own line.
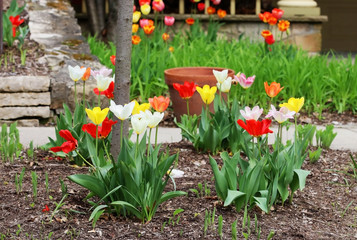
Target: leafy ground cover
column 326, row 209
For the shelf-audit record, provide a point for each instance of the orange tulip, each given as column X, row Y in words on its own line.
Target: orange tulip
column 273, row 89
column 221, row 13
column 134, row 28
column 165, row 36
column 86, row 74
column 135, row 39
column 211, row 10
column 190, row 21
column 266, row 33
column 272, row 20
column 148, row 29
column 265, row 16
column 283, row 25
column 160, row 103
column 171, row 49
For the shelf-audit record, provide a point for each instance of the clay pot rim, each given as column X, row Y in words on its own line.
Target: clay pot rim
column 178, row 71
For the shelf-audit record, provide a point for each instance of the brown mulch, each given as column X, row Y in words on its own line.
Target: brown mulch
column 325, row 209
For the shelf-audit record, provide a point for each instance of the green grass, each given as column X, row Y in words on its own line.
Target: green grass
column 326, row 82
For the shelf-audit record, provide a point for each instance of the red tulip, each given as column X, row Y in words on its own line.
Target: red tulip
column 265, row 16
column 201, row 7
column 270, row 40
column 277, row 12
column 68, row 146
column 190, row 21
column 112, row 59
column 103, row 131
column 108, row 92
column 256, row 128
column 15, row 21
column 186, row 90
column 143, row 2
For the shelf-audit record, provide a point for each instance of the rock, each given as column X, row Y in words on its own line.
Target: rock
column 25, row 84
column 23, row 122
column 25, row 99
column 8, row 113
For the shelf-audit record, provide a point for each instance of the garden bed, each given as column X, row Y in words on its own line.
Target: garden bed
column 325, row 209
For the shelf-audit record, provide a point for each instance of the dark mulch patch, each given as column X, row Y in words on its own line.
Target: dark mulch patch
column 326, row 209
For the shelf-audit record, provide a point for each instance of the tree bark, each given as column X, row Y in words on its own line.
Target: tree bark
column 96, row 15
column 1, row 27
column 122, row 66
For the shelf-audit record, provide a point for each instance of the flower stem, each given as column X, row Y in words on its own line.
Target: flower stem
column 188, row 107
column 121, row 133
column 157, row 130
column 84, row 93
column 137, row 146
column 91, row 165
column 147, row 152
column 75, row 92
column 99, row 98
column 96, row 140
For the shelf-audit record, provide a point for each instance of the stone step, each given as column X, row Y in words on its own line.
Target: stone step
column 25, row 84
column 25, row 99
column 9, row 113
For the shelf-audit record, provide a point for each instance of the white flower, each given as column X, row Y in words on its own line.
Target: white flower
column 76, row 72
column 139, row 123
column 121, row 112
column 153, row 119
column 105, row 72
column 175, row 173
column 220, row 76
column 280, row 116
column 254, row 113
column 225, row 86
column 103, row 82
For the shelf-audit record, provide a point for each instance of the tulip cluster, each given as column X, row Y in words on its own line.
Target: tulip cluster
column 273, row 18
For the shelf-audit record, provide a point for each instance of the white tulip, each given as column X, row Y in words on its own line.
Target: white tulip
column 139, row 123
column 175, row 173
column 76, row 72
column 225, row 86
column 153, row 119
column 103, row 82
column 120, row 111
column 220, row 75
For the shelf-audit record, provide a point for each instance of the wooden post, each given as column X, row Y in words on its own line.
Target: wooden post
column 1, row 27
column 182, row 7
column 206, row 5
column 233, row 7
column 257, row 7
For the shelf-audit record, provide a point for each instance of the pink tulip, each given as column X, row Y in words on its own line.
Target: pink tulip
column 158, row 6
column 277, row 12
column 134, row 8
column 243, row 81
column 169, row 21
column 250, row 114
column 143, row 22
column 280, row 116
column 216, row 2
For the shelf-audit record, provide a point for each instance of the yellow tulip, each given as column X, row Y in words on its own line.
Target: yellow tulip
column 136, row 16
column 207, row 93
column 145, row 9
column 135, row 28
column 294, row 104
column 97, row 115
column 140, row 107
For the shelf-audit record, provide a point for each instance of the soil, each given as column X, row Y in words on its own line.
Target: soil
column 325, row 209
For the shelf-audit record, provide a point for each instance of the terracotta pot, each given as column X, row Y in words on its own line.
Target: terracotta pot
column 199, row 75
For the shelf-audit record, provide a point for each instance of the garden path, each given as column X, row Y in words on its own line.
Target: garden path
column 346, row 138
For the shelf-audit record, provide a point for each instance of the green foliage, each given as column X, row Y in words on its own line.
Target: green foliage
column 34, row 185
column 325, row 137
column 314, row 156
column 131, row 185
column 19, row 179
column 13, row 10
column 326, row 82
column 265, row 177
column 10, row 145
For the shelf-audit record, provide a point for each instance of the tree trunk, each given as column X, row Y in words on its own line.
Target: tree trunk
column 1, row 27
column 122, row 66
column 110, row 26
column 96, row 15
